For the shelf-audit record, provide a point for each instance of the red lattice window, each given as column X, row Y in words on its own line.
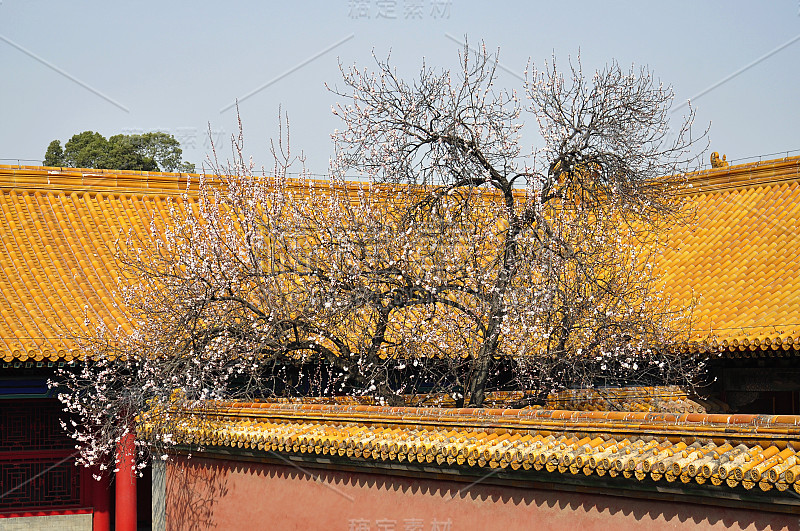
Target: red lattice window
column 39, row 484
column 32, row 425
column 37, row 463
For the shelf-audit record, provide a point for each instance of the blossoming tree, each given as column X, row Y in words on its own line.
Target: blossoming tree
column 457, row 265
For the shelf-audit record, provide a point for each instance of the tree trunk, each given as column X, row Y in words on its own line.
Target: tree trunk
column 477, row 384
column 480, row 374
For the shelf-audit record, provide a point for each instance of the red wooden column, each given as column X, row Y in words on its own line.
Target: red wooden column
column 125, row 478
column 101, row 501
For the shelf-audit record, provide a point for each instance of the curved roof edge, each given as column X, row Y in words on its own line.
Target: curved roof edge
column 717, row 456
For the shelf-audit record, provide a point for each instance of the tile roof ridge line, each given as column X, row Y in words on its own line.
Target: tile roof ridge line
column 87, row 179
column 714, row 179
column 339, row 411
column 740, row 176
column 118, row 182
column 741, row 433
column 52, row 170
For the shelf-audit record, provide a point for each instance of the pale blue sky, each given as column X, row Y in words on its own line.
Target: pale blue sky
column 113, row 67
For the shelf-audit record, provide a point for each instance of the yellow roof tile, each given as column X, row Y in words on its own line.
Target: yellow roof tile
column 736, row 259
column 57, row 229
column 732, row 451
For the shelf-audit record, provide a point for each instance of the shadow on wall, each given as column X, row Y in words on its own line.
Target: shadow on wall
column 192, row 492
column 201, row 485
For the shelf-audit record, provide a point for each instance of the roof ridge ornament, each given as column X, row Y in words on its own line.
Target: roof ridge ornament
column 716, row 162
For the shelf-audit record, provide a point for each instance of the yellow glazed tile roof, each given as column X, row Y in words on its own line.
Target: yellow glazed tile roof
column 737, row 258
column 740, row 453
column 57, row 234
column 58, row 228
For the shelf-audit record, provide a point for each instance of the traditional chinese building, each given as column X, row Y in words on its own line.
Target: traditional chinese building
column 57, row 234
column 366, row 467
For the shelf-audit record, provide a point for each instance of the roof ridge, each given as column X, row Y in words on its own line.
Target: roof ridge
column 743, row 176
column 96, row 180
column 736, row 177
column 503, row 416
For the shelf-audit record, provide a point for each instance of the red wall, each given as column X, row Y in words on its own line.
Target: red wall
column 206, row 493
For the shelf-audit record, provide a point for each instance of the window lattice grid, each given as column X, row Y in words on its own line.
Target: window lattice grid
column 44, row 483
